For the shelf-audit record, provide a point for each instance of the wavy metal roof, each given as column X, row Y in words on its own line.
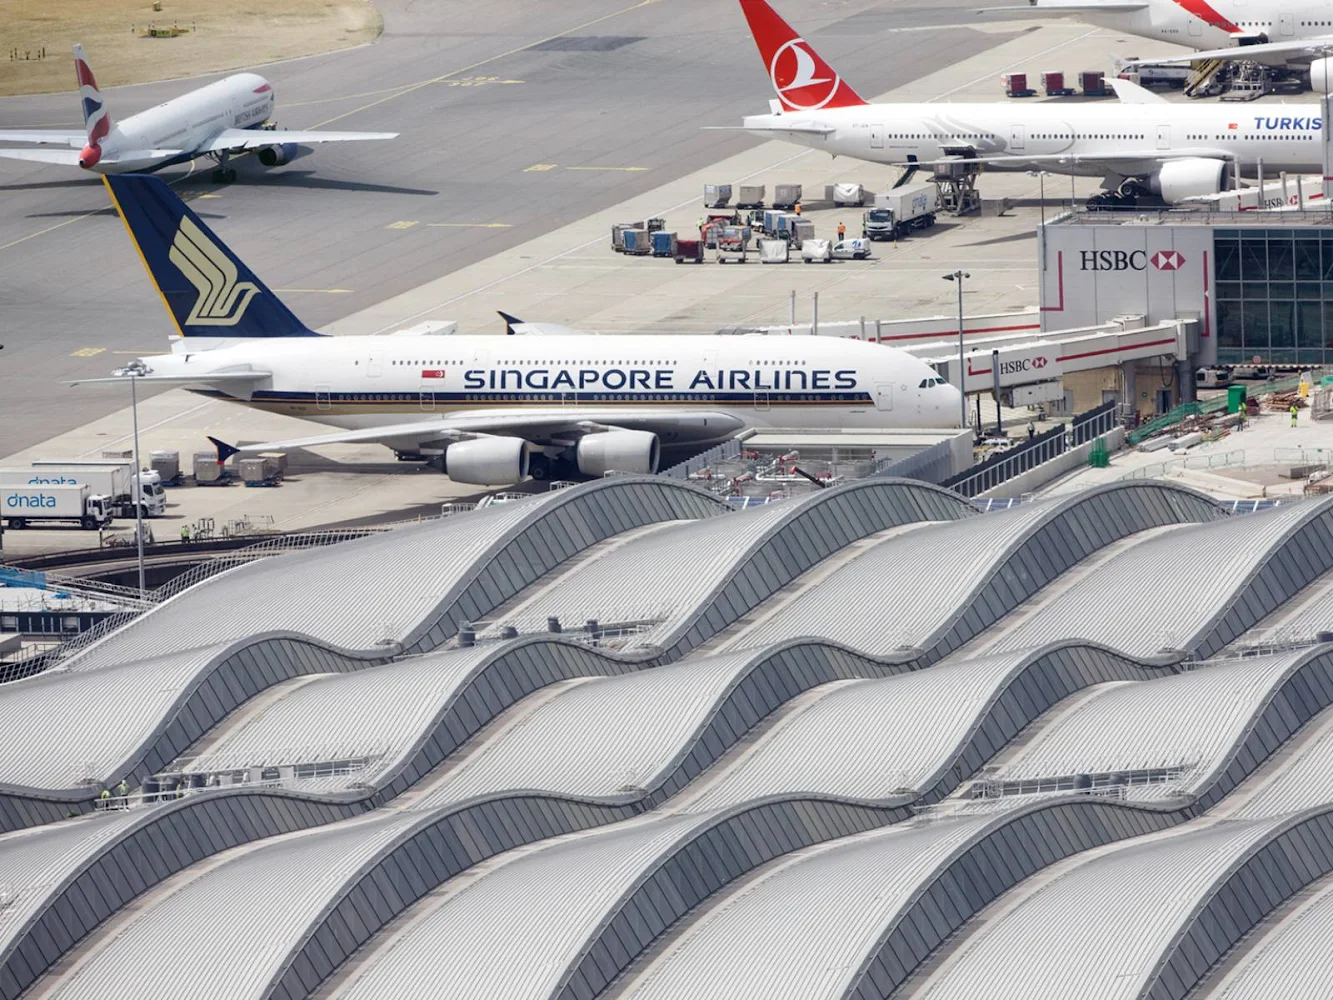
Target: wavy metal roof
column 1191, row 720
column 1305, row 780
column 937, row 587
column 1194, row 588
column 1056, row 942
column 695, row 579
column 1290, row 961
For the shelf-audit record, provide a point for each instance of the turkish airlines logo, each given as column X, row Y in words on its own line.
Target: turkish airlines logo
column 793, row 74
column 222, row 300
column 1167, row 260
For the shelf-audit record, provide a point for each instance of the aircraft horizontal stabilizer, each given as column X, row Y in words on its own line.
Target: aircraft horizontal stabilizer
column 65, row 157
column 74, row 140
column 810, row 129
column 248, row 138
column 201, row 379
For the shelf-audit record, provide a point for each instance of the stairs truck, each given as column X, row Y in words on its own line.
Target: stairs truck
column 24, row 506
column 901, row 210
column 112, row 478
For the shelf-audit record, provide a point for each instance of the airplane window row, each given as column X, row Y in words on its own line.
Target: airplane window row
column 1076, row 135
column 943, row 135
column 437, row 362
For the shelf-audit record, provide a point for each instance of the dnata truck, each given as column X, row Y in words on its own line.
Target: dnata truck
column 113, row 478
column 21, row 506
column 901, row 210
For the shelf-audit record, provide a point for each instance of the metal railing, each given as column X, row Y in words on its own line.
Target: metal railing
column 1221, row 460
column 1177, row 774
column 1002, row 466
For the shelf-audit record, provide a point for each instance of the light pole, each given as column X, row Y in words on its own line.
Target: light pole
column 133, row 372
column 957, row 277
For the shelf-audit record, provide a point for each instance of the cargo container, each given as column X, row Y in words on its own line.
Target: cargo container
column 773, row 251
column 817, row 250
column 848, row 194
column 689, row 251
column 717, row 195
column 664, row 244
column 750, row 196
column 786, row 195
column 638, row 242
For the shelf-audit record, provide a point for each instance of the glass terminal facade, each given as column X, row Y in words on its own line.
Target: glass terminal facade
column 1274, row 295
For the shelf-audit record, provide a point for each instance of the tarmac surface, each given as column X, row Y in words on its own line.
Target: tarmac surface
column 516, row 118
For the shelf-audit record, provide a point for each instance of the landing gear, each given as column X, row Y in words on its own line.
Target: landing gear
column 223, row 174
column 1127, row 195
column 540, row 468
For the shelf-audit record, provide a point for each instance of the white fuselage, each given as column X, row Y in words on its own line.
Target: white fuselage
column 188, row 122
column 1166, row 21
column 1285, row 137
column 366, row 382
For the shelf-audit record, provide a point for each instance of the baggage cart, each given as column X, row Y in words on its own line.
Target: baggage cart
column 717, row 195
column 655, row 225
column 750, row 196
column 799, row 230
column 637, row 242
column 689, row 251
column 773, row 251
column 771, row 219
column 664, row 244
column 786, row 195
column 848, row 194
column 1093, row 83
column 1016, row 85
column 733, row 243
column 208, row 471
column 617, row 234
column 817, row 250
column 1053, row 82
column 166, row 464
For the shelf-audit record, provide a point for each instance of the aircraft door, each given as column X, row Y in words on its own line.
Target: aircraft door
column 761, row 401
column 876, row 136
column 427, row 400
column 1163, row 136
column 1018, row 137
column 884, row 397
column 1286, row 25
column 323, row 401
column 375, row 363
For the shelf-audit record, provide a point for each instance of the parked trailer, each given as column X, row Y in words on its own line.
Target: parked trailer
column 902, row 210
column 22, row 506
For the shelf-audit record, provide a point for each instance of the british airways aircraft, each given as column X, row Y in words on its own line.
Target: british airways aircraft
column 223, row 119
column 495, row 410
column 1141, row 146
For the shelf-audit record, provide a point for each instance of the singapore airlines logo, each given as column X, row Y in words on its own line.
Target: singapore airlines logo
column 792, row 71
column 222, row 300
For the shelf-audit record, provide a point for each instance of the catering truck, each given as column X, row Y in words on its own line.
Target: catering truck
column 24, row 506
column 113, row 478
column 899, row 211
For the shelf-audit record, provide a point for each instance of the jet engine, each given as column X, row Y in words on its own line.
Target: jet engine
column 1190, row 177
column 618, row 451
column 277, row 155
column 1321, row 73
column 488, row 461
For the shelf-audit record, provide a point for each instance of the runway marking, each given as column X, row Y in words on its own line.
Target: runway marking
column 627, row 169
column 476, row 65
column 210, row 196
column 403, row 224
column 538, row 167
column 139, row 354
column 470, row 225
column 87, row 352
column 316, row 291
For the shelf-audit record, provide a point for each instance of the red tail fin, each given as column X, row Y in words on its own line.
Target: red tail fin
column 804, row 82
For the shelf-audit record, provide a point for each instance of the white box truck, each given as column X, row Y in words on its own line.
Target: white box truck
column 111, row 477
column 901, row 210
column 22, row 506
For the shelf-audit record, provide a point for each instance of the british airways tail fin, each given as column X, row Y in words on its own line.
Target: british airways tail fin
column 803, row 81
column 209, row 293
column 96, row 118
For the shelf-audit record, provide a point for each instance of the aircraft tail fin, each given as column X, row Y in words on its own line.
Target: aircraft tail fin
column 803, row 81
column 96, row 118
column 209, row 292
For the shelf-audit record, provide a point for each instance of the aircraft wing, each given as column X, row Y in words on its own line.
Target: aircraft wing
column 249, row 138
column 253, row 376
column 1312, row 48
column 537, row 426
column 45, row 137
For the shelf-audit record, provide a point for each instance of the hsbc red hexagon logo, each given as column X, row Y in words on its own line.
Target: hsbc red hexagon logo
column 1039, row 362
column 1167, row 260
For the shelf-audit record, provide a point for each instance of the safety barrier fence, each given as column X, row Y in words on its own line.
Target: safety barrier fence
column 989, row 787
column 1220, row 460
column 1000, row 467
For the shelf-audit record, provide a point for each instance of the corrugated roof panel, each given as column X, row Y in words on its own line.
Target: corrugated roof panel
column 1191, row 719
column 598, row 736
column 57, row 729
column 1302, row 782
column 1096, row 931
column 802, row 930
column 378, row 711
column 863, row 739
column 1142, row 601
column 1290, row 962
column 901, row 590
column 515, row 930
column 223, row 930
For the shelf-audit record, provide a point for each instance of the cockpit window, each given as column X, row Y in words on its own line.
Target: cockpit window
column 926, row 383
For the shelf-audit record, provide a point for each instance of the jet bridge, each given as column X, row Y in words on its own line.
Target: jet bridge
column 1019, row 359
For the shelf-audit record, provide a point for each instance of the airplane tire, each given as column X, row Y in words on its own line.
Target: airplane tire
column 539, row 468
column 17, row 524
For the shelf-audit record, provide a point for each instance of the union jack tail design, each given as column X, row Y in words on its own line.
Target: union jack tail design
column 95, row 117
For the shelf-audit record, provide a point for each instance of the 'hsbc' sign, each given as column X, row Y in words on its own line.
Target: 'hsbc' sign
column 1129, row 260
column 1016, row 365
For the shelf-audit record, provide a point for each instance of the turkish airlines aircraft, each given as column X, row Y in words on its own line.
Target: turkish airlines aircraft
column 1143, row 145
column 498, row 409
column 227, row 117
column 1293, row 34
